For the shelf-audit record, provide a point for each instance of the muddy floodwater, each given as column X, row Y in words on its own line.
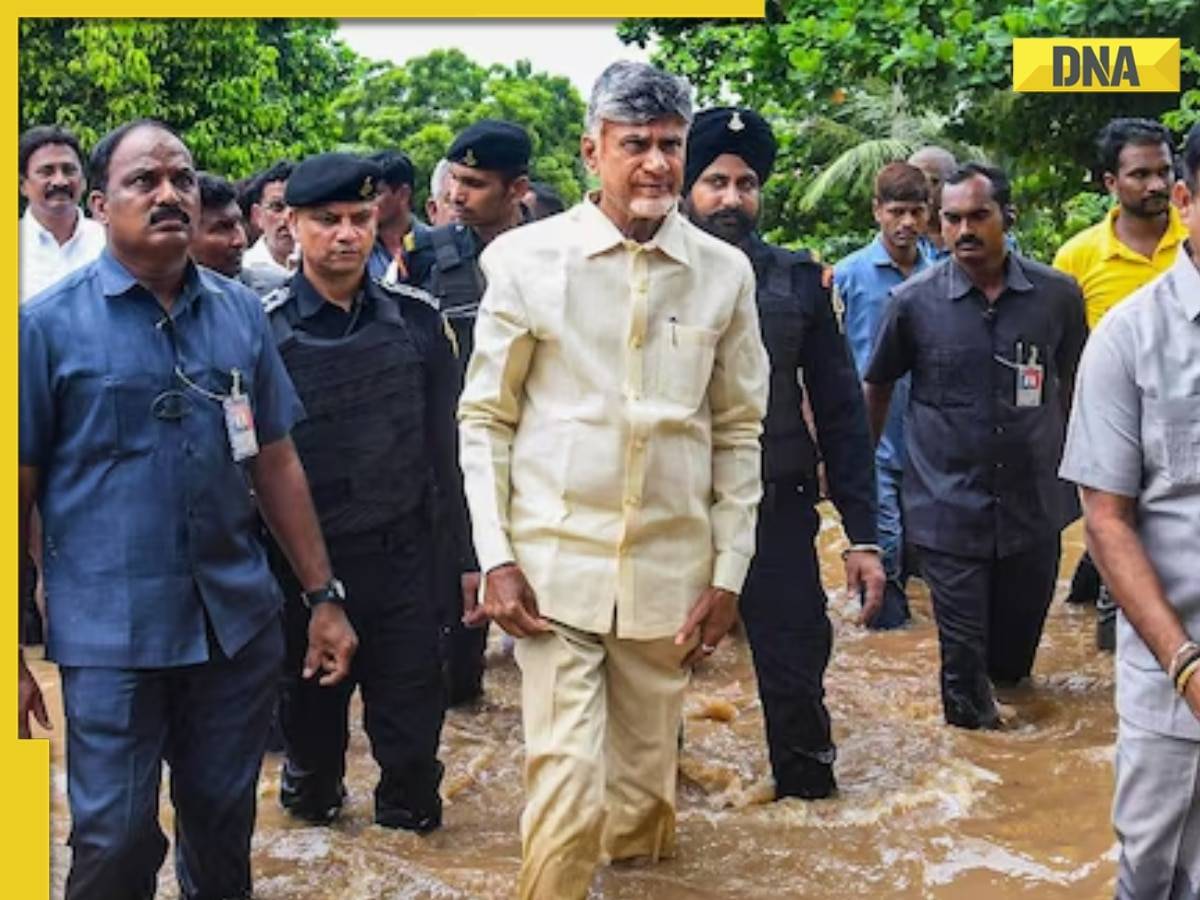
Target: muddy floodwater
column 924, row 811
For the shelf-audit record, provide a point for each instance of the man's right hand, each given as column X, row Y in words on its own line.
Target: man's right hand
column 509, row 601
column 29, row 700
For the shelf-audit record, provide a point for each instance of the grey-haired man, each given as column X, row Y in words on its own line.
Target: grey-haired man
column 610, row 427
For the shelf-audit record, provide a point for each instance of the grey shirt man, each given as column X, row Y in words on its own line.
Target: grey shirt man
column 1135, row 432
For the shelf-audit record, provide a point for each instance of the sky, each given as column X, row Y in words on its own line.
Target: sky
column 578, row 50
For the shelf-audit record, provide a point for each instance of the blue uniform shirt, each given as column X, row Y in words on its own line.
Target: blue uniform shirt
column 864, row 279
column 149, row 528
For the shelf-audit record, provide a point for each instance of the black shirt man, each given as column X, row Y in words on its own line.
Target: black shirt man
column 992, row 341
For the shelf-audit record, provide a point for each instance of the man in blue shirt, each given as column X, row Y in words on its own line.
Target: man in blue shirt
column 152, row 399
column 864, row 280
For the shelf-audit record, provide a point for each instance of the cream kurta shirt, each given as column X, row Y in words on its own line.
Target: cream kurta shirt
column 611, row 417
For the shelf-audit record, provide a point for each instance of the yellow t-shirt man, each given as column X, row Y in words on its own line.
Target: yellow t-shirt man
column 1107, row 270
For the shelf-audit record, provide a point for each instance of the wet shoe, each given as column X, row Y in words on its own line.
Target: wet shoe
column 312, row 800
column 420, row 822
column 809, row 780
column 413, row 806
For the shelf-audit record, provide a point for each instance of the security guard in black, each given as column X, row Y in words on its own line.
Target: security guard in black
column 376, row 371
column 730, row 153
column 488, row 165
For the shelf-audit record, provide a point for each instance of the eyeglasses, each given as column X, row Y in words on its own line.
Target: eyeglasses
column 276, row 206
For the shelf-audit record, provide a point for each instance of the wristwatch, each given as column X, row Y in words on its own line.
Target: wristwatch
column 332, row 592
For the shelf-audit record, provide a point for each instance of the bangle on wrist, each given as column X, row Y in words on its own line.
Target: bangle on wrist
column 862, row 548
column 1187, row 651
column 1185, row 675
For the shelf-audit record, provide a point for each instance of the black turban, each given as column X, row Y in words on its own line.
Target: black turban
column 726, row 129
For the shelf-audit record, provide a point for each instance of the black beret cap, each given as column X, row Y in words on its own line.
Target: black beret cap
column 492, row 144
column 725, row 129
column 395, row 167
column 332, row 178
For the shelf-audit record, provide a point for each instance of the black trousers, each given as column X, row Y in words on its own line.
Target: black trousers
column 462, row 648
column 783, row 609
column 990, row 614
column 397, row 666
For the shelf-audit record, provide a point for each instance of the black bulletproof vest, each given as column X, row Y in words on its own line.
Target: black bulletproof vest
column 458, row 283
column 788, row 451
column 363, row 442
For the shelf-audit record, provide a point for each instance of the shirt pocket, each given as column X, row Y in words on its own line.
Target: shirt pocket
column 953, row 376
column 1177, row 422
column 686, row 363
column 133, row 401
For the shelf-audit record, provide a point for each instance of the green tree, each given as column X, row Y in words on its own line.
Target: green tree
column 951, row 59
column 243, row 92
column 420, row 105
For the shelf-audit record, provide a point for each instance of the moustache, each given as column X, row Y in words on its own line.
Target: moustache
column 169, row 214
column 968, row 242
column 58, row 191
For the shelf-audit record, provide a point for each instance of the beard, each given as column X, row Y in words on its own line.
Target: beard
column 651, row 207
column 1149, row 207
column 730, row 225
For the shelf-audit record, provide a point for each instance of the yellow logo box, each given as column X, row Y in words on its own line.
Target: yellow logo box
column 1095, row 65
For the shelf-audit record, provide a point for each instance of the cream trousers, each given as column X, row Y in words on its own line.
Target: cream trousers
column 601, row 718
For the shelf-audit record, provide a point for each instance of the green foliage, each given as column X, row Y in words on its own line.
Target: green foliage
column 246, row 92
column 420, row 106
column 243, row 92
column 811, row 61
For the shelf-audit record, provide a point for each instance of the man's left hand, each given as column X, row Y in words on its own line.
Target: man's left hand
column 865, row 578
column 331, row 643
column 712, row 616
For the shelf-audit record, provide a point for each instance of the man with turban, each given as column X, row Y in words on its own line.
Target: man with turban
column 730, row 155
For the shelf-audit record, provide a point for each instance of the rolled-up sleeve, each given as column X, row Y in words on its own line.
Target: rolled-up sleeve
column 37, row 411
column 738, row 401
column 490, row 410
column 1103, row 449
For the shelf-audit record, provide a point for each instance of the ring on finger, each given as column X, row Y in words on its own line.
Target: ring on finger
column 708, row 649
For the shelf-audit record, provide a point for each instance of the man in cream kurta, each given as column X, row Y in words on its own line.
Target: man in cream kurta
column 610, row 427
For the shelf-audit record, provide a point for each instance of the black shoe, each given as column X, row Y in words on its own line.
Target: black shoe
column 314, row 800
column 401, row 804
column 808, row 779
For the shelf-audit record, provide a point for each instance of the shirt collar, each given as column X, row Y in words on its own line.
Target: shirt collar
column 309, row 301
column 42, row 233
column 877, row 255
column 1187, row 282
column 1015, row 278
column 117, row 281
column 1112, row 248
column 601, row 235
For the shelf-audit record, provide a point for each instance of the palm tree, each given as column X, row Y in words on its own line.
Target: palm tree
column 875, row 126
